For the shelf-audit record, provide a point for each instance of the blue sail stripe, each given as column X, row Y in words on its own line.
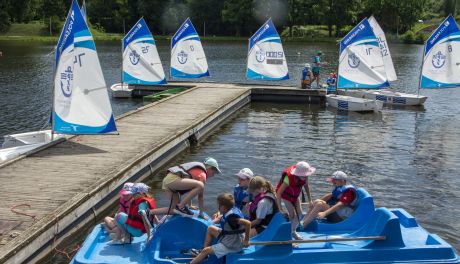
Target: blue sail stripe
column 127, row 78
column 83, row 33
column 89, row 44
column 257, row 76
column 446, row 28
column 428, row 83
column 150, row 41
column 345, row 83
column 180, row 74
column 61, row 126
column 139, row 30
column 278, row 40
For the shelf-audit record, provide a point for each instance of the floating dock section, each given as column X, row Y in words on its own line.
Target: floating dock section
column 51, row 193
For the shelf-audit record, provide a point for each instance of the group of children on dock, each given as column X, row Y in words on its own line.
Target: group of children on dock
column 241, row 215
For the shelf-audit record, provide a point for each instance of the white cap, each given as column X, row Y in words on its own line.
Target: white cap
column 245, row 174
column 338, row 175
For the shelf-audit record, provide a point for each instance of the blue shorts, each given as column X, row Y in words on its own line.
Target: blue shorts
column 121, row 219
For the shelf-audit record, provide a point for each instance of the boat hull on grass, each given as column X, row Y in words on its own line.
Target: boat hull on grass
column 349, row 103
column 389, row 97
column 405, row 242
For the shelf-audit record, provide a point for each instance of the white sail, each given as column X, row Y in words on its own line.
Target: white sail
column 187, row 55
column 141, row 62
column 441, row 61
column 81, row 101
column 266, row 58
column 360, row 61
column 389, row 67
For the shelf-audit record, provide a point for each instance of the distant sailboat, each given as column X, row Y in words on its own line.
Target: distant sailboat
column 187, row 55
column 441, row 57
column 360, row 67
column 81, row 104
column 141, row 63
column 387, row 96
column 266, row 58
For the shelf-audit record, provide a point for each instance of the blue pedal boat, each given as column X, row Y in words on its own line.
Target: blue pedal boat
column 405, row 242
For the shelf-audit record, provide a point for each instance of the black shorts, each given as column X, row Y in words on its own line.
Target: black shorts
column 334, row 218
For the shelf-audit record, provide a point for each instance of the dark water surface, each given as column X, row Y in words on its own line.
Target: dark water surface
column 405, row 157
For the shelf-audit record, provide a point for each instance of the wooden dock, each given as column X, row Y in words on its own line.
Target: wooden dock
column 49, row 195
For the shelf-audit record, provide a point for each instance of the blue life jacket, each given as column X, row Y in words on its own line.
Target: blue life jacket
column 241, row 196
column 338, row 191
column 227, row 229
column 305, row 75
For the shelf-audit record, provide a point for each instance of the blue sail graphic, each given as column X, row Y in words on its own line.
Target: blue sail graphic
column 266, row 58
column 81, row 101
column 187, row 55
column 441, row 57
column 141, row 62
column 361, row 64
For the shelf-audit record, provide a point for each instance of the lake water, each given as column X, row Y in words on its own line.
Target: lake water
column 405, row 157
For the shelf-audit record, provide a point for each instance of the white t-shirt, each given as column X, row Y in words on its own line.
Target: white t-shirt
column 264, row 208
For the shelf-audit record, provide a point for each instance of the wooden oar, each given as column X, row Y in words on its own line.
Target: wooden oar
column 336, row 239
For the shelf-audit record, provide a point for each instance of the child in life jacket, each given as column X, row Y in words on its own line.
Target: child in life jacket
column 232, row 235
column 337, row 205
column 288, row 190
column 331, row 83
column 240, row 192
column 137, row 221
column 263, row 207
column 126, row 196
column 307, row 77
column 185, row 181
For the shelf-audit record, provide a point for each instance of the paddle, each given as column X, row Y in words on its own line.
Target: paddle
column 336, row 239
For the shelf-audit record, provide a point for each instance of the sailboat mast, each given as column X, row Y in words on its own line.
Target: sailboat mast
column 122, row 54
column 53, row 93
column 421, row 69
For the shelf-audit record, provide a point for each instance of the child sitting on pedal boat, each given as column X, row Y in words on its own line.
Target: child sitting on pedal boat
column 263, row 207
column 232, row 235
column 337, row 205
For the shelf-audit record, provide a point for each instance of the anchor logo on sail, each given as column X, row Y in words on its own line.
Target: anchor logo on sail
column 438, row 60
column 182, row 57
column 260, row 55
column 134, row 57
column 66, row 82
column 353, row 60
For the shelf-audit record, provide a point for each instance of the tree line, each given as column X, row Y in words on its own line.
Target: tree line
column 231, row 17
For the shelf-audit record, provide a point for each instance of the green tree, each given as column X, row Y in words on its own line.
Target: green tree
column 450, row 7
column 5, row 21
column 238, row 14
column 207, row 14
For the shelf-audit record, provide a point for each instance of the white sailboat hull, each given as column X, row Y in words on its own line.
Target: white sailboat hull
column 17, row 144
column 348, row 103
column 388, row 97
column 121, row 90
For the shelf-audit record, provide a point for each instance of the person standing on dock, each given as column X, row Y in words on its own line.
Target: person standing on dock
column 184, row 182
column 288, row 190
column 337, row 205
column 317, row 63
column 307, row 77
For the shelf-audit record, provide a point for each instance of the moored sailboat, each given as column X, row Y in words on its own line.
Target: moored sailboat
column 188, row 59
column 266, row 58
column 81, row 104
column 360, row 67
column 141, row 64
column 387, row 96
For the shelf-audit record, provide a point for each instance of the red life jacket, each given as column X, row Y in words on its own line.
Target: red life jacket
column 134, row 219
column 292, row 192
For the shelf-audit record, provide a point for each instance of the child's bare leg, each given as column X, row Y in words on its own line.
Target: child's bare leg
column 319, row 206
column 194, row 186
column 170, row 209
column 212, row 232
column 203, row 254
column 292, row 215
column 110, row 224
